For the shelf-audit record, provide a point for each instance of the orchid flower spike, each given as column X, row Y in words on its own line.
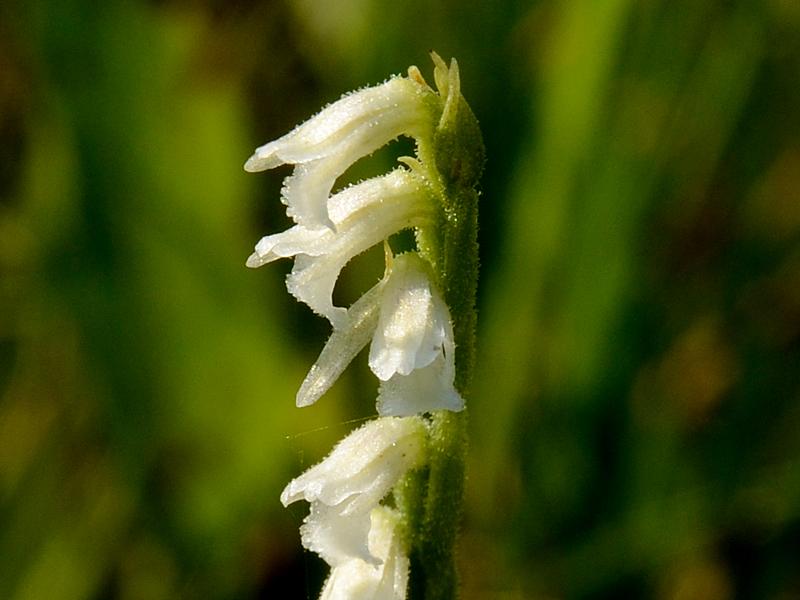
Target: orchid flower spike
column 406, row 319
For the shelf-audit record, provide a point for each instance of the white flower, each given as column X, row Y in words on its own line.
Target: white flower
column 345, row 487
column 327, row 144
column 364, row 215
column 404, row 317
column 356, row 579
column 412, row 351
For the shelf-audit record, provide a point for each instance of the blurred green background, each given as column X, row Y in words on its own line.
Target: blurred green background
column 635, row 417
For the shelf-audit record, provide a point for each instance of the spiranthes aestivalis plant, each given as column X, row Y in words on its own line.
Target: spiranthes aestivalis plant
column 385, row 504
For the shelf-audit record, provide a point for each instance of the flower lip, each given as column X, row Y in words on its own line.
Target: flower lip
column 386, row 578
column 423, row 390
column 337, row 537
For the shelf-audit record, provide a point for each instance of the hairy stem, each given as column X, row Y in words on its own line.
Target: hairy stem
column 457, row 266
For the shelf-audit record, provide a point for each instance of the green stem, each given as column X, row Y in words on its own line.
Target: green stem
column 434, row 542
column 442, row 508
column 431, row 500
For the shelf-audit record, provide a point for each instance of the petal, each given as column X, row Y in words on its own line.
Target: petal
column 342, row 347
column 365, row 214
column 335, row 537
column 356, row 579
column 312, row 281
column 385, row 544
column 363, row 467
column 352, row 580
column 305, row 192
column 297, row 240
column 414, row 323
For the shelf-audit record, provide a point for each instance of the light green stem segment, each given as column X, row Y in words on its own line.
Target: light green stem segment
column 431, row 499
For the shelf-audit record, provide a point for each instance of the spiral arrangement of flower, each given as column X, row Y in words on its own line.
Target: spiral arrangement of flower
column 389, row 494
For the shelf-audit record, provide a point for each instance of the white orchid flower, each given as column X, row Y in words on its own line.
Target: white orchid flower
column 356, row 579
column 345, row 487
column 326, row 145
column 412, row 351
